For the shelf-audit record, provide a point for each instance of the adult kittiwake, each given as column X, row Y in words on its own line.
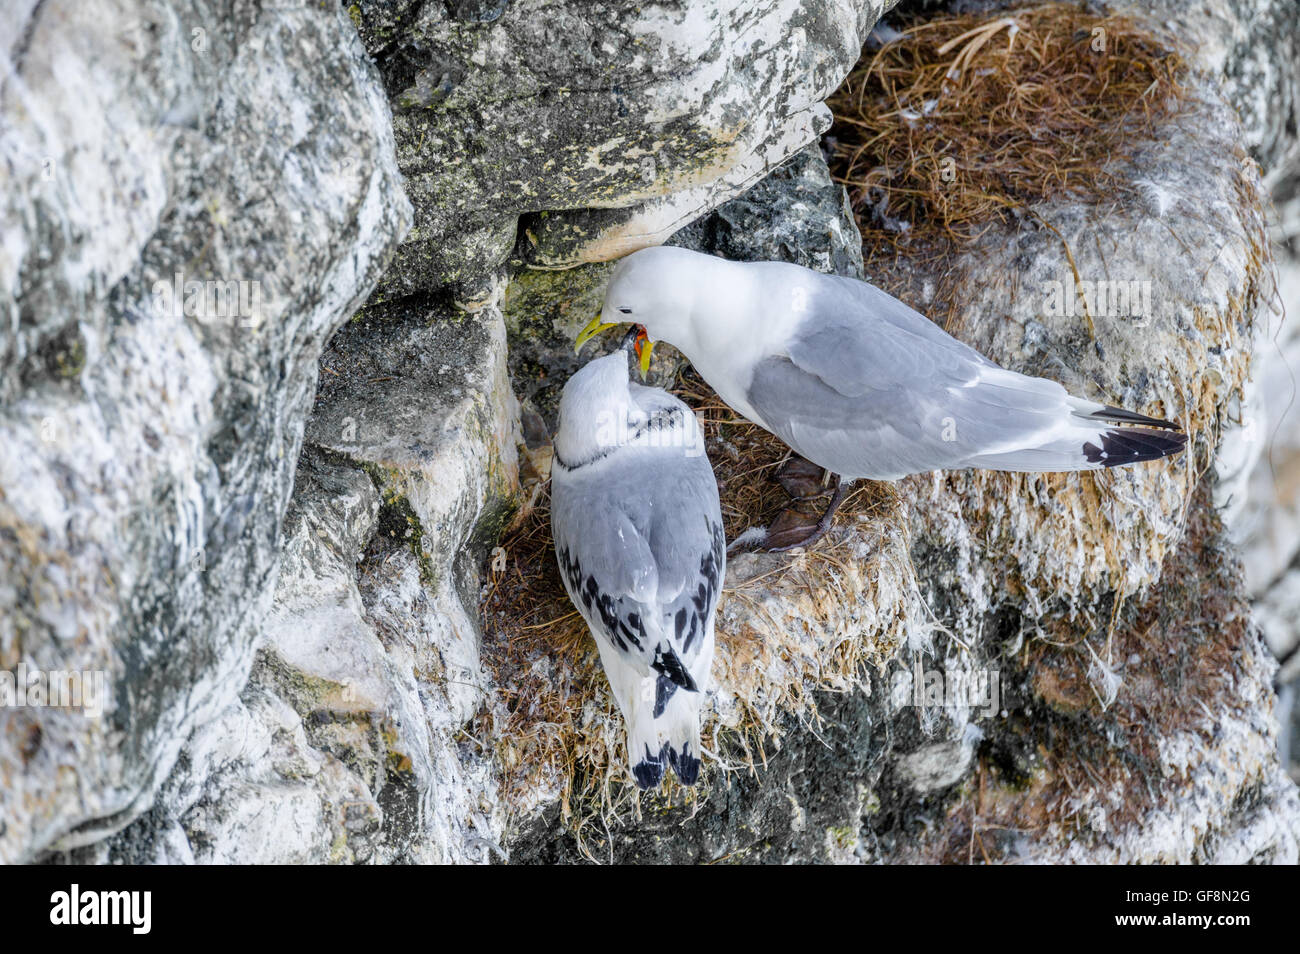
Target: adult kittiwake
column 639, row 540
column 857, row 382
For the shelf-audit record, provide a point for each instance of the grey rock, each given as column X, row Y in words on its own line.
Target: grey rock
column 368, row 674
column 936, row 767
column 530, row 108
column 316, row 688
column 151, row 442
column 796, row 214
column 1256, row 46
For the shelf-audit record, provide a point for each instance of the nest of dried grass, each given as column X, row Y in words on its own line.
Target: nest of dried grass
column 962, row 123
column 557, row 731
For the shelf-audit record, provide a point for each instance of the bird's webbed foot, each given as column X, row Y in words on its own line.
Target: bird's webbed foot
column 802, row 479
column 795, row 527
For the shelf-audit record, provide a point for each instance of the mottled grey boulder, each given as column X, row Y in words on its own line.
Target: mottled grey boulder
column 1260, row 455
column 526, row 108
column 343, row 647
column 150, row 439
column 368, row 673
column 1254, row 45
column 796, row 214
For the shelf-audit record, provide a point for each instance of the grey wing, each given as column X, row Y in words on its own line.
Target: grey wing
column 687, row 540
column 870, row 388
column 642, row 555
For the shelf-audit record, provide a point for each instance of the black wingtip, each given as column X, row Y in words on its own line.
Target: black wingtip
column 1118, row 415
column 667, row 663
column 664, row 689
column 649, row 772
column 1133, row 445
column 684, row 764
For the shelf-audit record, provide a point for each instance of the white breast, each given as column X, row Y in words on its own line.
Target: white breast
column 748, row 315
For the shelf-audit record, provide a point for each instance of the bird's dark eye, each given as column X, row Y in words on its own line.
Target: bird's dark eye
column 626, row 311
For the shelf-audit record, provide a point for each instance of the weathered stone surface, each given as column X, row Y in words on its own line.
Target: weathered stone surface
column 664, row 109
column 1259, row 460
column 1254, row 45
column 1260, row 474
column 368, row 669
column 150, row 449
column 796, row 214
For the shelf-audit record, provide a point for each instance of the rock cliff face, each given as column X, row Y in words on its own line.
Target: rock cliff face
column 627, row 119
column 299, row 533
column 196, row 197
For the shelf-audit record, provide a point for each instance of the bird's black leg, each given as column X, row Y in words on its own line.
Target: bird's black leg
column 796, row 529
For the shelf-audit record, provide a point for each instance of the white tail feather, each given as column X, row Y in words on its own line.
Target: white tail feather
column 1090, row 436
column 674, row 737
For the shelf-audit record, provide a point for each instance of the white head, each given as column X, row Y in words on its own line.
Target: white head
column 656, row 288
column 596, row 410
column 659, row 290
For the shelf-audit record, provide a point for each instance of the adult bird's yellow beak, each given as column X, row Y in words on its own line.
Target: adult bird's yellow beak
column 594, row 327
column 643, row 348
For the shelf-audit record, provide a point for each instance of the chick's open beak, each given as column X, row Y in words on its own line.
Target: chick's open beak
column 594, row 327
column 638, row 342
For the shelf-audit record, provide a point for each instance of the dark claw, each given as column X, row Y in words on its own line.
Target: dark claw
column 793, row 527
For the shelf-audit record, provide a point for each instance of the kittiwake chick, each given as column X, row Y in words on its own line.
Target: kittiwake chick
column 639, row 540
column 857, row 382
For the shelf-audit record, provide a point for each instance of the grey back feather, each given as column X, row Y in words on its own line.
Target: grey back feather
column 639, row 540
column 870, row 388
